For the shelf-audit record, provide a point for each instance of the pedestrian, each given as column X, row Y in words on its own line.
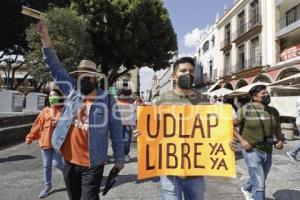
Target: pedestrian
column 125, row 104
column 89, row 118
column 258, row 125
column 191, row 187
column 214, row 100
column 293, row 153
column 42, row 130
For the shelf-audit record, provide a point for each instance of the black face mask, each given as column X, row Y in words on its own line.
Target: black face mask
column 185, row 81
column 86, row 86
column 266, row 100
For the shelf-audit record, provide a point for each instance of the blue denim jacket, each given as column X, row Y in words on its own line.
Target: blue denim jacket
column 104, row 118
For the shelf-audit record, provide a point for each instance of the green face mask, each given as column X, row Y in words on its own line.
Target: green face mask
column 53, row 100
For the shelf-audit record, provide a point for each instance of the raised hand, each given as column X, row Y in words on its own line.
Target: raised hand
column 42, row 31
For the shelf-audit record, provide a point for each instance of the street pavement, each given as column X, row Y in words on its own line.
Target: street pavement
column 21, row 178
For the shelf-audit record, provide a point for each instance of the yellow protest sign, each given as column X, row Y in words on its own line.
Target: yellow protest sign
column 185, row 140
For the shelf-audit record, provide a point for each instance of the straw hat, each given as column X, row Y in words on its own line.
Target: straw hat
column 86, row 66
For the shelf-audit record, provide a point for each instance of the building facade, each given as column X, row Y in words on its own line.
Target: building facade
column 256, row 39
column 206, row 58
column 129, row 82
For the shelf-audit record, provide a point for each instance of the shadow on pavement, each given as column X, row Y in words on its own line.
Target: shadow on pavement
column 57, row 190
column 16, row 158
column 123, row 179
column 287, row 195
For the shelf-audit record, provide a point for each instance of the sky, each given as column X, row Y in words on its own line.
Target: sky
column 188, row 17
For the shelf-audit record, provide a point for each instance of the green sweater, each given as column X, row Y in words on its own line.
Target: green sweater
column 253, row 130
column 170, row 98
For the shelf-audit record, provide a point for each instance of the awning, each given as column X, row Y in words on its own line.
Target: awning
column 290, row 80
column 220, row 92
column 244, row 90
column 213, row 86
column 286, row 105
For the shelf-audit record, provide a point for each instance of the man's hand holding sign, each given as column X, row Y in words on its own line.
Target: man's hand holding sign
column 185, row 140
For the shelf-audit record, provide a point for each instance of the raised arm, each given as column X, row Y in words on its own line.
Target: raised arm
column 64, row 81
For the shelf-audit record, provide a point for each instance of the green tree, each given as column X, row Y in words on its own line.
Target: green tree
column 128, row 33
column 13, row 45
column 70, row 39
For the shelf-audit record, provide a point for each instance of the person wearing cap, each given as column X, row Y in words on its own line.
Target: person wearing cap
column 258, row 125
column 89, row 118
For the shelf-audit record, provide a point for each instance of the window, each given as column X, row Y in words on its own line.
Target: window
column 125, row 83
column 227, row 63
column 211, row 63
column 241, row 23
column 254, row 13
column 293, row 15
column 227, row 34
column 213, row 41
column 255, row 52
column 241, row 62
column 205, row 46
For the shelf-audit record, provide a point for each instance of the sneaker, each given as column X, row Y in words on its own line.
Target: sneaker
column 127, row 159
column 292, row 156
column 45, row 192
column 248, row 195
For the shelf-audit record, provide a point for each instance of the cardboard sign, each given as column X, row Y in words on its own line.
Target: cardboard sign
column 185, row 141
column 33, row 13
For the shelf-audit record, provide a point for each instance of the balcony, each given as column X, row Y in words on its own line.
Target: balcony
column 226, row 44
column 247, row 64
column 287, row 27
column 247, row 30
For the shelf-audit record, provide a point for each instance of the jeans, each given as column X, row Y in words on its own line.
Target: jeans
column 173, row 187
column 296, row 150
column 50, row 156
column 259, row 165
column 127, row 134
column 82, row 183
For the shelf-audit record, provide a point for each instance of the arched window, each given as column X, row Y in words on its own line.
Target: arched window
column 205, row 46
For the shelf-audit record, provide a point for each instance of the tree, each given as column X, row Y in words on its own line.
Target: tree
column 69, row 36
column 13, row 45
column 128, row 33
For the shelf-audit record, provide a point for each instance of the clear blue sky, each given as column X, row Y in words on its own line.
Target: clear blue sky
column 187, row 15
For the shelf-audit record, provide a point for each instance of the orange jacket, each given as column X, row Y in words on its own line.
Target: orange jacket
column 43, row 127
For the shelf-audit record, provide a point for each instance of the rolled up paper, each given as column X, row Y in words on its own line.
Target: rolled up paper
column 33, row 13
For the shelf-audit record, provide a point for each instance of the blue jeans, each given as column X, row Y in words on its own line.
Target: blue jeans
column 49, row 156
column 173, row 187
column 127, row 134
column 259, row 164
column 296, row 150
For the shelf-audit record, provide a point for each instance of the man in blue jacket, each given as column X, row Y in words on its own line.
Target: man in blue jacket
column 82, row 132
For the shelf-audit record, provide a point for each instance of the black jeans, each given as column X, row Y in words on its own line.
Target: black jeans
column 82, row 183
